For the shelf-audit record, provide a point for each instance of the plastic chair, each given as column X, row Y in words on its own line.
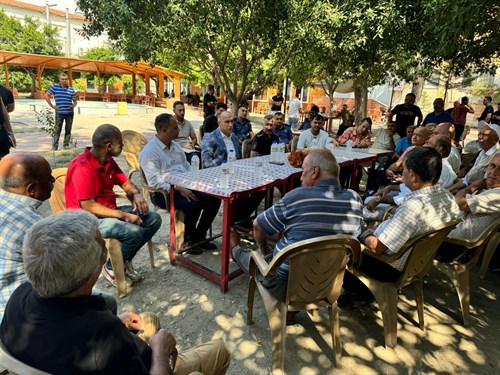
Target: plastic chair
column 458, row 272
column 488, row 253
column 246, row 147
column 133, row 143
column 316, row 268
column 57, row 202
column 15, row 366
column 423, row 249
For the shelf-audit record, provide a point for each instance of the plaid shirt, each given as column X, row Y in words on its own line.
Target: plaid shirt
column 18, row 214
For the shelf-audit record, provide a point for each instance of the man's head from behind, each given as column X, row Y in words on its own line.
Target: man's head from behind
column 422, row 167
column 26, row 174
column 166, row 128
column 488, row 136
column 179, row 110
column 61, row 259
column 225, row 121
column 108, row 137
column 443, row 128
column 441, row 144
column 493, row 173
column 420, row 136
column 319, row 164
column 409, row 100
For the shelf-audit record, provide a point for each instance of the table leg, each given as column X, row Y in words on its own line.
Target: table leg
column 226, row 245
column 172, row 249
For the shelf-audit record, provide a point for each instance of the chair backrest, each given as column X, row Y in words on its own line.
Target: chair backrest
column 133, row 142
column 295, row 140
column 246, row 147
column 423, row 249
column 57, row 199
column 317, row 266
column 15, row 366
column 485, row 236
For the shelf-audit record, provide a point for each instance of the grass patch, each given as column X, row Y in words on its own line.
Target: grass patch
column 21, row 127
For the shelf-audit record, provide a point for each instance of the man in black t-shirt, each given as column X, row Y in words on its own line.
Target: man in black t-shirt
column 488, row 110
column 209, row 101
column 405, row 114
column 495, row 119
column 276, row 102
column 54, row 324
column 261, row 143
column 7, row 98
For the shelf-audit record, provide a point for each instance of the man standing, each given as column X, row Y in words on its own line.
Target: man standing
column 8, row 98
column 89, row 185
column 321, row 207
column 294, row 107
column 65, row 98
column 187, row 137
column 426, row 207
column 459, row 115
column 488, row 110
column 276, row 102
column 242, row 128
column 210, row 123
column 25, row 182
column 439, row 115
column 386, row 138
column 7, row 138
column 283, row 130
column 405, row 114
column 161, row 157
column 218, row 143
column 261, row 143
column 314, row 137
column 55, row 324
column 495, row 119
column 209, row 101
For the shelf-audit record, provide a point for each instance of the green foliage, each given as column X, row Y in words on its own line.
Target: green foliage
column 127, row 84
column 481, row 89
column 80, row 84
column 101, row 53
column 46, row 117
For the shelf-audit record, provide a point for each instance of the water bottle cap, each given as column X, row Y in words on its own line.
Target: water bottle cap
column 224, row 161
column 275, row 142
column 259, row 154
column 231, row 150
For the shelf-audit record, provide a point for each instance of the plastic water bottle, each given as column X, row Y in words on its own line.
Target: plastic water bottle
column 258, row 167
column 281, row 153
column 224, row 175
column 274, row 152
column 195, row 166
column 231, row 157
column 349, row 145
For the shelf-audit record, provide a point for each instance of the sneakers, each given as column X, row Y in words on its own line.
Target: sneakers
column 67, row 148
column 131, row 273
column 109, row 275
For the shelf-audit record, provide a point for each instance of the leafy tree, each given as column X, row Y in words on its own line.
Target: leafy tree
column 239, row 43
column 28, row 36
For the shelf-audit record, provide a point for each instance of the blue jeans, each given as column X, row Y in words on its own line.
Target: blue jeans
column 132, row 236
column 293, row 122
column 68, row 119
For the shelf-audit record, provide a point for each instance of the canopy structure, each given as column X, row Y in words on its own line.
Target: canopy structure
column 139, row 69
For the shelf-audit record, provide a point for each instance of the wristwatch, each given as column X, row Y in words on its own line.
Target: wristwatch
column 378, row 198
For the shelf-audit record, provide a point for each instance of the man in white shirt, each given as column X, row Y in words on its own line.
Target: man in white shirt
column 314, row 137
column 294, row 110
column 161, row 157
column 386, row 139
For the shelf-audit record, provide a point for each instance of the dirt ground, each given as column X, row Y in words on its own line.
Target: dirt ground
column 194, row 309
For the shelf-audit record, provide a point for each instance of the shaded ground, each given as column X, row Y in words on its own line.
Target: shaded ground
column 194, row 309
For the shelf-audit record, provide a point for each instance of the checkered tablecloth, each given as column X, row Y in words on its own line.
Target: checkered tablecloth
column 243, row 178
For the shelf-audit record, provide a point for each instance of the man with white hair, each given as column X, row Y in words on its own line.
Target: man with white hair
column 54, row 324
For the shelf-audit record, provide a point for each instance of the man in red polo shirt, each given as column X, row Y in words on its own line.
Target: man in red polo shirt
column 89, row 185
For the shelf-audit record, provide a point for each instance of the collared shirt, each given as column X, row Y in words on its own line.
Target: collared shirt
column 402, row 145
column 484, row 209
column 261, row 143
column 241, row 128
column 383, row 141
column 448, row 175
column 308, row 212
column 479, row 168
column 87, row 179
column 285, row 133
column 63, row 97
column 309, row 140
column 454, row 159
column 227, row 141
column 357, row 139
column 185, row 131
column 157, row 161
column 18, row 214
column 421, row 211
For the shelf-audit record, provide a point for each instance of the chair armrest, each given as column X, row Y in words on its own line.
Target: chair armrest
column 260, row 262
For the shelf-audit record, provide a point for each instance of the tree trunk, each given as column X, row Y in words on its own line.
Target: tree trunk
column 360, row 97
column 33, row 84
column 417, row 89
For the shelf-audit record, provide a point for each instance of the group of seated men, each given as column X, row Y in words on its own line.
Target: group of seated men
column 42, row 251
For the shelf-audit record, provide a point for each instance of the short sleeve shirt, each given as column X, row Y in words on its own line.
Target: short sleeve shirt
column 64, row 97
column 210, row 124
column 437, row 119
column 488, row 109
column 261, row 143
column 185, row 130
column 87, row 179
column 405, row 117
column 278, row 99
column 207, row 110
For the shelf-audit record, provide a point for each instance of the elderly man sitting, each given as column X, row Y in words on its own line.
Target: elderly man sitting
column 320, row 207
column 53, row 323
column 426, row 207
column 479, row 204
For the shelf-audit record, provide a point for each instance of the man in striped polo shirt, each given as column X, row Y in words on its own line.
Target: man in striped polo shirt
column 65, row 98
column 321, row 207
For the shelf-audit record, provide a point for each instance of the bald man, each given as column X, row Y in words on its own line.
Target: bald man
column 25, row 182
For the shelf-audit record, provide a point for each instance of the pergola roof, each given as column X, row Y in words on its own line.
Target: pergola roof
column 85, row 65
